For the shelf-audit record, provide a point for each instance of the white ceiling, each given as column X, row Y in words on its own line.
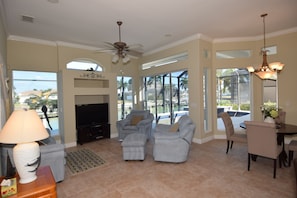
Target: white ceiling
column 151, row 23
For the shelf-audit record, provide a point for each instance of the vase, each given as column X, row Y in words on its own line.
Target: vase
column 269, row 120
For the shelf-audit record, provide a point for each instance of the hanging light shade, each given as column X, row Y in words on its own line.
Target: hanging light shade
column 115, row 58
column 125, row 58
column 266, row 71
column 120, row 55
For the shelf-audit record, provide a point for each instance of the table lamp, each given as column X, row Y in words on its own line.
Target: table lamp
column 23, row 128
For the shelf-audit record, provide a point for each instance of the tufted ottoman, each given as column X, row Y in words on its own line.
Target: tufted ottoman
column 134, row 147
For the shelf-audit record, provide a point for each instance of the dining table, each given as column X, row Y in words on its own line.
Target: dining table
column 282, row 131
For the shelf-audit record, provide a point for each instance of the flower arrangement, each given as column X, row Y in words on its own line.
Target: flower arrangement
column 269, row 111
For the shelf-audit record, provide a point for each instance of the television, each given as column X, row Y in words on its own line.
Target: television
column 91, row 114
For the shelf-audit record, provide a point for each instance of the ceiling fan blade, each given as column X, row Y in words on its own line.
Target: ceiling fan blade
column 104, row 50
column 122, row 48
column 135, row 46
column 108, row 44
column 134, row 53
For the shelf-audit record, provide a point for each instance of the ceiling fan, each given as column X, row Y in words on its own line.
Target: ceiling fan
column 120, row 49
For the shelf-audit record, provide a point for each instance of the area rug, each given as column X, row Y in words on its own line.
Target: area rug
column 81, row 160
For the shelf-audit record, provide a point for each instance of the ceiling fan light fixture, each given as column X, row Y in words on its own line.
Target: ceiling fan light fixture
column 115, row 58
column 121, row 50
column 266, row 71
column 126, row 59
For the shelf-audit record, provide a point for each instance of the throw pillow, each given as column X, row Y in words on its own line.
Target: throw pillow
column 174, row 127
column 136, row 119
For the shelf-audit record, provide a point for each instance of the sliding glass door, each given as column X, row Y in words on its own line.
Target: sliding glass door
column 166, row 96
column 125, row 96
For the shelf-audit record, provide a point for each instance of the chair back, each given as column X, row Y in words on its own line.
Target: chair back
column 281, row 119
column 228, row 124
column 262, row 139
column 186, row 128
column 144, row 113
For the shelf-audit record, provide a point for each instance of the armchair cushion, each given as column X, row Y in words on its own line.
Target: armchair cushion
column 162, row 128
column 166, row 135
column 136, row 119
column 130, row 127
column 174, row 127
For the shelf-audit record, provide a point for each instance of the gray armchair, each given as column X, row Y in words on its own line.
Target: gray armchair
column 138, row 121
column 52, row 154
column 172, row 142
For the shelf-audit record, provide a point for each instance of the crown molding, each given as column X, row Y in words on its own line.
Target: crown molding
column 74, row 45
column 174, row 44
column 255, row 38
column 57, row 43
column 221, row 40
column 30, row 40
column 50, row 43
column 179, row 42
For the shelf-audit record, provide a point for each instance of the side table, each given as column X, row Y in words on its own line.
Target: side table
column 43, row 186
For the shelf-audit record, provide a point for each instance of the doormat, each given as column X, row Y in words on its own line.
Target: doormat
column 82, row 160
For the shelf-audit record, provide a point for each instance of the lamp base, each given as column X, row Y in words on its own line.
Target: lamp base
column 26, row 157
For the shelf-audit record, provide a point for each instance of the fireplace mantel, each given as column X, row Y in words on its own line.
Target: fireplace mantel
column 80, row 88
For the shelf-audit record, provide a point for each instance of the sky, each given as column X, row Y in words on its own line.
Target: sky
column 29, row 80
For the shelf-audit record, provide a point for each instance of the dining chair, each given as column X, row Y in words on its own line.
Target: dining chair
column 281, row 119
column 262, row 141
column 295, row 170
column 232, row 136
column 292, row 147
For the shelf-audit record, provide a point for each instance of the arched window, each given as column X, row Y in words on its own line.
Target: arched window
column 85, row 65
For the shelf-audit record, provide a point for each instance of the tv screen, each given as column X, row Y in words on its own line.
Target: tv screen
column 91, row 114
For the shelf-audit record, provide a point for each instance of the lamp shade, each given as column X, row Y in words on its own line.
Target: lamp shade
column 264, row 75
column 23, row 126
column 276, row 66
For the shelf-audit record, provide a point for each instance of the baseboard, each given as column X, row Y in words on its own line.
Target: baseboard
column 209, row 138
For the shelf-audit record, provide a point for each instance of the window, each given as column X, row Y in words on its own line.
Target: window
column 233, row 95
column 125, row 96
column 37, row 90
column 270, row 95
column 230, row 54
column 85, row 65
column 206, row 97
column 271, row 50
column 165, row 61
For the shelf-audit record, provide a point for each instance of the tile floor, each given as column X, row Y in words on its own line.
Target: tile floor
column 209, row 172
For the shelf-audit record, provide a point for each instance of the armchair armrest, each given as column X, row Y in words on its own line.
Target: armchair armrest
column 53, row 155
column 166, row 135
column 51, row 148
column 144, row 122
column 162, row 128
column 122, row 123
